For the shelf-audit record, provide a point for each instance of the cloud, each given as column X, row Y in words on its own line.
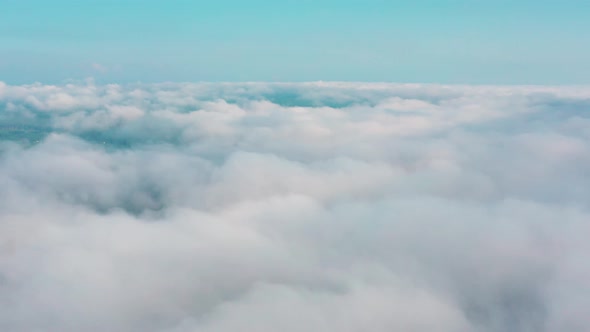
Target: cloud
column 310, row 206
column 98, row 67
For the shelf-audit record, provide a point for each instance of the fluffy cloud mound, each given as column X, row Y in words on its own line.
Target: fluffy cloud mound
column 294, row 207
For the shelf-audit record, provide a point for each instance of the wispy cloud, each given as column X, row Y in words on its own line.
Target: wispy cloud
column 98, row 67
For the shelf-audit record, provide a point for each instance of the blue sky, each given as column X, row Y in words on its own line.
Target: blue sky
column 443, row 41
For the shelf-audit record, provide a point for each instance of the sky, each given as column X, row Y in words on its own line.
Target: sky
column 442, row 41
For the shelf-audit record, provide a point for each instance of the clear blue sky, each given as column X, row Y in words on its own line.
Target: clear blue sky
column 444, row 41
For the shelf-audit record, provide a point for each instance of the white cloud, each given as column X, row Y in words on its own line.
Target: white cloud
column 294, row 207
column 98, row 67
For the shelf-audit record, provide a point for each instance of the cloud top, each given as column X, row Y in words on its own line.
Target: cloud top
column 294, row 207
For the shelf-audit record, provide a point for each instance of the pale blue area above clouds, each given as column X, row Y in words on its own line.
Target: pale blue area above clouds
column 445, row 41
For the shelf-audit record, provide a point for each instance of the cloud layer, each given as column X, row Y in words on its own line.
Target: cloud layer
column 294, row 207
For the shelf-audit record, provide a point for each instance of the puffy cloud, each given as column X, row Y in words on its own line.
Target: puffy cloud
column 310, row 206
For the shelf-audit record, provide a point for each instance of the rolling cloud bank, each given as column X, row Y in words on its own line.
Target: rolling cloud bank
column 294, row 207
